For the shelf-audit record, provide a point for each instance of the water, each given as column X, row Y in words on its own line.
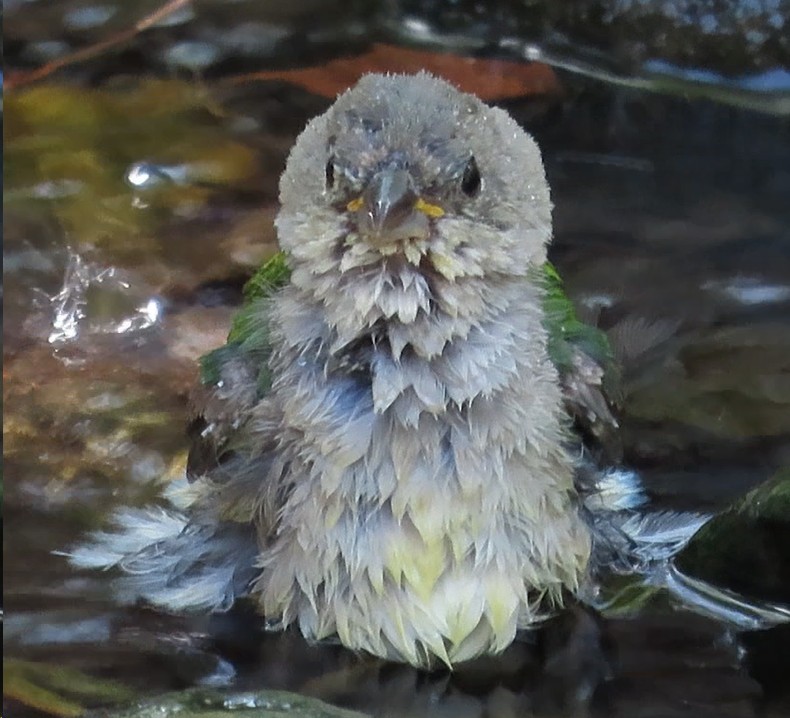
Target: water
column 132, row 216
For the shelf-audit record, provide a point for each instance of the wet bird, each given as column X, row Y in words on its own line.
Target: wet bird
column 383, row 450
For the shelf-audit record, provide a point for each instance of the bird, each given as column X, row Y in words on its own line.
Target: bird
column 384, row 453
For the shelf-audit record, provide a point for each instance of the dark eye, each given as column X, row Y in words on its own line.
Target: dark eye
column 470, row 182
column 330, row 173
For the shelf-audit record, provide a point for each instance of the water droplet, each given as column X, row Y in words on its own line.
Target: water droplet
column 145, row 174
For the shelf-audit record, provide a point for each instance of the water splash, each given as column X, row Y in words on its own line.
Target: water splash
column 98, row 300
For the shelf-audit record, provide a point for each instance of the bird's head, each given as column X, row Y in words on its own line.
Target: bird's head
column 409, row 168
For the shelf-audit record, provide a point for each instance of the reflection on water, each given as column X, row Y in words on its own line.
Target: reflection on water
column 729, row 608
column 671, row 230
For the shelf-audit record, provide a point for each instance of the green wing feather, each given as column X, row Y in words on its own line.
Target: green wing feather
column 249, row 332
column 268, row 278
column 234, row 377
column 585, row 361
column 567, row 333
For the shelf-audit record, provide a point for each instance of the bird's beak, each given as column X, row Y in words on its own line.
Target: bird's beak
column 390, row 209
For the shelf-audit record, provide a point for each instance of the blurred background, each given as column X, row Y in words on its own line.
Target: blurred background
column 143, row 145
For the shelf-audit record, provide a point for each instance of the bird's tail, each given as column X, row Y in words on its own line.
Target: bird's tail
column 178, row 563
column 629, row 535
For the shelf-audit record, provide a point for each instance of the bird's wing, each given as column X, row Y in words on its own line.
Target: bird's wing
column 585, row 361
column 234, row 379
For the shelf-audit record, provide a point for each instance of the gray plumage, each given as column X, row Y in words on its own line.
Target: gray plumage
column 405, row 482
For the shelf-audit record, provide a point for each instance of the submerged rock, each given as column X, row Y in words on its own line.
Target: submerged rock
column 747, row 548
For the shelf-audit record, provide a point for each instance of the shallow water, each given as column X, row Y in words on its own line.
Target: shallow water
column 670, row 214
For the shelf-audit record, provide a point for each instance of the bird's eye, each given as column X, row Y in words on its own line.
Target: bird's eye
column 330, row 173
column 470, row 182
